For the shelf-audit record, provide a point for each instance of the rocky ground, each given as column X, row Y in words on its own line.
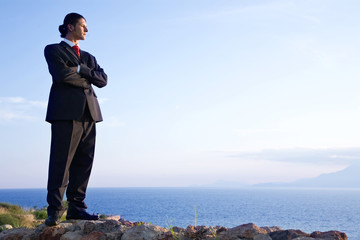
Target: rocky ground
column 126, row 230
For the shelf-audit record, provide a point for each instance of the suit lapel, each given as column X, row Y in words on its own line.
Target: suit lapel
column 70, row 50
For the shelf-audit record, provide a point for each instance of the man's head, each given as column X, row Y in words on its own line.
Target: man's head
column 74, row 27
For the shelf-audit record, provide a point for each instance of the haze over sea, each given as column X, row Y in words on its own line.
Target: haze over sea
column 305, row 209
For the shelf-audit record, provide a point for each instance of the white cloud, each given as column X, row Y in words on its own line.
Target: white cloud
column 102, row 100
column 247, row 132
column 20, row 101
column 13, row 115
column 12, row 100
column 333, row 156
column 19, row 108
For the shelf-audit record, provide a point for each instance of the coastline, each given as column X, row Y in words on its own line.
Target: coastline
column 125, row 230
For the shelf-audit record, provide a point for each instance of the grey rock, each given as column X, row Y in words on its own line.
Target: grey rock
column 288, row 234
column 147, row 232
column 71, row 236
column 262, row 237
column 6, row 227
column 16, row 234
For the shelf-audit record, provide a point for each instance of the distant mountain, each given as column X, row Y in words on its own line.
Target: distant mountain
column 223, row 184
column 346, row 178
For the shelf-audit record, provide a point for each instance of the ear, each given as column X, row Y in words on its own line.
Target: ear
column 70, row 27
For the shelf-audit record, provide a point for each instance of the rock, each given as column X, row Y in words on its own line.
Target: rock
column 262, row 237
column 126, row 230
column 147, row 232
column 93, row 236
column 248, row 231
column 16, row 234
column 52, row 233
column 330, row 235
column 306, row 238
column 271, row 229
column 71, row 236
column 89, row 226
column 127, row 223
column 113, row 217
column 197, row 232
column 81, row 229
column 220, row 229
column 6, row 227
column 287, row 234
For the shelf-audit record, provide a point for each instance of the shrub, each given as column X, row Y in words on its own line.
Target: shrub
column 10, row 219
column 40, row 214
column 15, row 209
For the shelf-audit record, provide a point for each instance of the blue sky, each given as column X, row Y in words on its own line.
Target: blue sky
column 198, row 91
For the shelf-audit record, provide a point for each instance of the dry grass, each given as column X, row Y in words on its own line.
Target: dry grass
column 3, row 210
column 27, row 220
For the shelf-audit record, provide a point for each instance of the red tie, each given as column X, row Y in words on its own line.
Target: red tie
column 77, row 50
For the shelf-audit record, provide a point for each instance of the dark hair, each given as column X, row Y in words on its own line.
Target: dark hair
column 72, row 19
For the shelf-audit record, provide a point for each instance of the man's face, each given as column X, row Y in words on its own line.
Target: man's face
column 79, row 31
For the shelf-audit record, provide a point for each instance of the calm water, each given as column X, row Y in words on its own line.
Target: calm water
column 308, row 210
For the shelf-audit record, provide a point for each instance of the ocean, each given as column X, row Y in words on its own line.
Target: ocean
column 305, row 209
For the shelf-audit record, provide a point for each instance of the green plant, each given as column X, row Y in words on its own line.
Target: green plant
column 65, row 204
column 213, row 232
column 175, row 235
column 15, row 209
column 103, row 216
column 63, row 217
column 10, row 219
column 40, row 214
column 195, row 208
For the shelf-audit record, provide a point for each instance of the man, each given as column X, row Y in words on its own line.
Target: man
column 72, row 111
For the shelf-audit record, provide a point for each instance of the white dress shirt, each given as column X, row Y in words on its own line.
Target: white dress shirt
column 71, row 45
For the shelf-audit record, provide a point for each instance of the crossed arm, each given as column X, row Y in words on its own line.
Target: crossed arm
column 93, row 72
column 90, row 73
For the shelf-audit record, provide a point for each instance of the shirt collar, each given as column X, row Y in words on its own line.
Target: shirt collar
column 69, row 42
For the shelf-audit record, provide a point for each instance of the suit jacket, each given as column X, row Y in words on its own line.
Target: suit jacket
column 71, row 91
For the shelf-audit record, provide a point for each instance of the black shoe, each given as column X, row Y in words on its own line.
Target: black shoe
column 54, row 219
column 81, row 215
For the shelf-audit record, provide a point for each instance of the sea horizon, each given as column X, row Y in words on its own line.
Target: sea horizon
column 305, row 209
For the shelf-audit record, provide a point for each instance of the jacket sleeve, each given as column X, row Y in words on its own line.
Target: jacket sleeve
column 93, row 72
column 60, row 71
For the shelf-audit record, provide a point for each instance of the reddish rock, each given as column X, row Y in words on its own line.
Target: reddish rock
column 248, row 231
column 127, row 223
column 196, row 232
column 288, row 234
column 52, row 233
column 330, row 235
column 93, row 236
column 220, row 229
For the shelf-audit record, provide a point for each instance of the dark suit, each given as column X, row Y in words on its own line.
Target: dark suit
column 72, row 111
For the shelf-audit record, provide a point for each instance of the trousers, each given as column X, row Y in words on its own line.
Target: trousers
column 71, row 159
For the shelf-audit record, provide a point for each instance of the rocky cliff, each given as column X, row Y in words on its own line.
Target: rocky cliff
column 126, row 230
